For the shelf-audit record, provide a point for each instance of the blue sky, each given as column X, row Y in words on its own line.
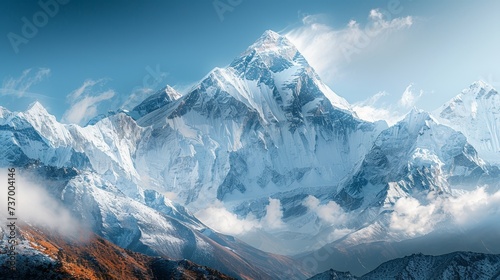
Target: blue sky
column 87, row 57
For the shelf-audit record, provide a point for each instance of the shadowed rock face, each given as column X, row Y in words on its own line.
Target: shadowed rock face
column 457, row 265
column 417, row 155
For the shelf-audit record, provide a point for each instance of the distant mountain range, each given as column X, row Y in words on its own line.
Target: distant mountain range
column 456, row 265
column 265, row 128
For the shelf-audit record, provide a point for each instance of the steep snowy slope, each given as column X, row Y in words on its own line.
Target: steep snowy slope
column 156, row 227
column 264, row 124
column 35, row 134
column 106, row 148
column 415, row 156
column 102, row 188
column 476, row 113
column 419, row 162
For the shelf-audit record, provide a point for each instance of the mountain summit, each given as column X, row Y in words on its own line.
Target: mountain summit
column 266, row 123
column 262, row 142
column 275, row 61
column 272, row 42
column 476, row 113
column 273, row 50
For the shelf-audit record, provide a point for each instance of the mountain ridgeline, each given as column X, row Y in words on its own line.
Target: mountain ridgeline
column 265, row 128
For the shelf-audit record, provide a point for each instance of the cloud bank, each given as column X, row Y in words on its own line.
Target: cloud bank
column 468, row 210
column 220, row 219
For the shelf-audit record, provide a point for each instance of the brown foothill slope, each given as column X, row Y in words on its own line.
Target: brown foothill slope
column 96, row 258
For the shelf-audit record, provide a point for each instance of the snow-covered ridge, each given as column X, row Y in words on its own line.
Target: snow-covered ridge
column 458, row 265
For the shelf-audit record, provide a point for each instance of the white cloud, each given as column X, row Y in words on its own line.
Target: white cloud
column 412, row 217
column 34, row 205
column 467, row 210
column 220, row 219
column 21, row 86
column 73, row 96
column 474, row 207
column 375, row 98
column 409, row 97
column 329, row 49
column 274, row 214
column 84, row 102
column 372, row 109
column 372, row 114
column 330, row 213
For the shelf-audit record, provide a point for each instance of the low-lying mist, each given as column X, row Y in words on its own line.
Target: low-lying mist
column 35, row 205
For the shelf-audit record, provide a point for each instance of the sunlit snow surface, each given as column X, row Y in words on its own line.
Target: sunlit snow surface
column 275, row 152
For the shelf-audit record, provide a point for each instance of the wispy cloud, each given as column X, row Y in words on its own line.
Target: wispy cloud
column 136, row 97
column 373, row 109
column 329, row 49
column 84, row 101
column 21, row 86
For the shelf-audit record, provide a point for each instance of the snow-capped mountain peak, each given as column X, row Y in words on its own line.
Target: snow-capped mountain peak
column 155, row 101
column 479, row 88
column 37, row 115
column 46, row 124
column 415, row 155
column 274, row 61
column 37, row 108
column 271, row 51
column 476, row 113
column 466, row 103
column 417, row 119
column 172, row 93
column 416, row 116
column 273, row 43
